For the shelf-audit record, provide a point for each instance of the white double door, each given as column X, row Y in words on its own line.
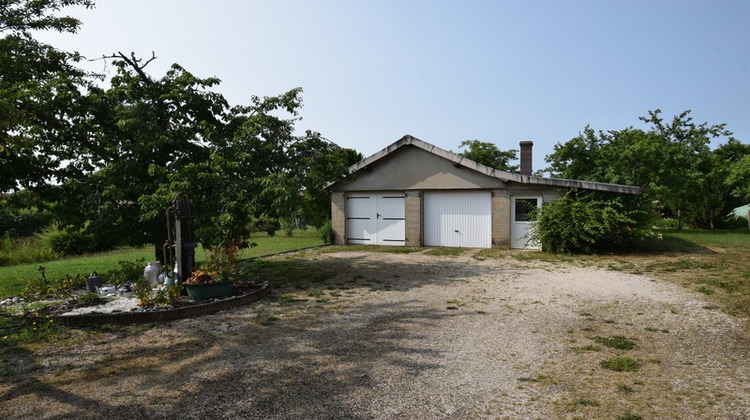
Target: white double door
column 376, row 218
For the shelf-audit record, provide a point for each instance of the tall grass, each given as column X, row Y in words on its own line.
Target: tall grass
column 15, row 251
column 14, row 278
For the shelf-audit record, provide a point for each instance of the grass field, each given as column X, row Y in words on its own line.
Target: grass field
column 14, row 278
column 714, row 263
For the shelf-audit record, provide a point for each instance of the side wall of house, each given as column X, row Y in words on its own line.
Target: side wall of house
column 500, row 219
column 338, row 217
column 413, row 218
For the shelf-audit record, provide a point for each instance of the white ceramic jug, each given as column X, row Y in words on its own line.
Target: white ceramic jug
column 151, row 273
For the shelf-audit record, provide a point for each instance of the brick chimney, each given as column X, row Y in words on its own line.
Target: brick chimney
column 526, row 157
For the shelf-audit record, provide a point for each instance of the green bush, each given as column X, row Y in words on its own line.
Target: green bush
column 326, row 232
column 61, row 288
column 583, row 223
column 68, row 241
column 265, row 224
column 22, row 222
column 665, row 223
column 128, row 271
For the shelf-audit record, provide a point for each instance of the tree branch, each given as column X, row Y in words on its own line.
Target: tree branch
column 134, row 62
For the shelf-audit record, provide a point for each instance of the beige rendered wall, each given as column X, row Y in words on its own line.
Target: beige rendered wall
column 416, row 169
column 500, row 219
column 338, row 217
column 413, row 218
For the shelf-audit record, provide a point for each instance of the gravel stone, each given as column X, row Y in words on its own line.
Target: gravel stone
column 412, row 336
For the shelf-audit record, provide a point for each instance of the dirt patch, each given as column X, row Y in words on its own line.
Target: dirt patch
column 407, row 336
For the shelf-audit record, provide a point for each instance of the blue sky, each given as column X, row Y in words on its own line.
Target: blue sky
column 448, row 71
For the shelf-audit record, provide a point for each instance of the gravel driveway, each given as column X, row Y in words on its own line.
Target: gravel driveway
column 410, row 336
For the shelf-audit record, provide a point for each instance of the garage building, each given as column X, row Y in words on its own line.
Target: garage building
column 413, row 193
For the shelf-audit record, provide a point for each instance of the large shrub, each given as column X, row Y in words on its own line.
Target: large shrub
column 588, row 223
column 326, row 232
column 22, row 222
column 67, row 241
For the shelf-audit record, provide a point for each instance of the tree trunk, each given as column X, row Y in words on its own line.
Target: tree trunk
column 159, row 253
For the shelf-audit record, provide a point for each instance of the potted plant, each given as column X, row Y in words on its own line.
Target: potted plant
column 207, row 285
column 214, row 280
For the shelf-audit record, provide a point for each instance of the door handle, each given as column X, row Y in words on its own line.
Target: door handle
column 378, row 215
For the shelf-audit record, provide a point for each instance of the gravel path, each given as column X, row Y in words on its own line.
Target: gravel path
column 411, row 336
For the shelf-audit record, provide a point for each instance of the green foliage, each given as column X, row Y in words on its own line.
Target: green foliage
column 142, row 290
column 22, row 222
column 23, row 16
column 148, row 297
column 15, row 251
column 738, row 177
column 67, row 241
column 489, row 155
column 672, row 163
column 224, row 259
column 618, row 342
column 326, row 232
column 264, row 223
column 33, row 329
column 109, row 160
column 62, row 287
column 173, row 293
column 90, row 298
column 621, row 364
column 445, row 251
column 40, row 95
column 126, row 271
column 665, row 223
column 586, row 223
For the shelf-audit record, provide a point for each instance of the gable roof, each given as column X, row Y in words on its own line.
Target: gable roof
column 462, row 161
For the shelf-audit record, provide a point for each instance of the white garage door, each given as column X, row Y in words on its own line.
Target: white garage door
column 376, row 219
column 458, row 219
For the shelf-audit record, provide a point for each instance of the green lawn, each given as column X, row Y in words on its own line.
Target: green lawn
column 14, row 278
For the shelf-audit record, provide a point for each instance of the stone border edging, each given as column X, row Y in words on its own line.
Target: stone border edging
column 124, row 318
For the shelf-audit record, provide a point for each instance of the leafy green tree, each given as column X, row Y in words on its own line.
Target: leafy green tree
column 671, row 162
column 721, row 183
column 40, row 95
column 489, row 155
column 737, row 171
column 258, row 169
column 683, row 177
column 110, row 160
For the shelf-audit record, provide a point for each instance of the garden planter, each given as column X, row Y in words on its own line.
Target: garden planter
column 209, row 290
